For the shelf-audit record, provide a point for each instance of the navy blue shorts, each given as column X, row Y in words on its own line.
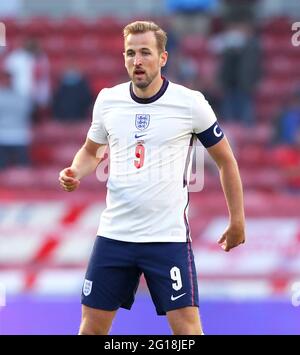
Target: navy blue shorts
column 115, row 267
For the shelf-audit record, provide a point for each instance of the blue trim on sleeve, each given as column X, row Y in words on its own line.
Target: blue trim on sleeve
column 211, row 135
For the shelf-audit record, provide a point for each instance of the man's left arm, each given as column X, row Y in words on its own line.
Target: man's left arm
column 233, row 191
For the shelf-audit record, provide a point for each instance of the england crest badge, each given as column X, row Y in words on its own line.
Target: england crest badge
column 87, row 287
column 142, row 121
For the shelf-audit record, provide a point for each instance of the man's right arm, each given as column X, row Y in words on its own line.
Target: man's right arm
column 84, row 163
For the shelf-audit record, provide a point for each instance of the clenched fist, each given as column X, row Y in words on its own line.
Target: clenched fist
column 68, row 179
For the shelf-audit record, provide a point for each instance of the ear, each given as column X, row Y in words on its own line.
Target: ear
column 124, row 57
column 163, row 58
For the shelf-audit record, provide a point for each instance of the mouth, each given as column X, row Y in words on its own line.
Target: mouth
column 139, row 72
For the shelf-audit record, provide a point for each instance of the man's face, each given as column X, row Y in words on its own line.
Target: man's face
column 142, row 59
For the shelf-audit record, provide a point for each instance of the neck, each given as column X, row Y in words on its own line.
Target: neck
column 150, row 90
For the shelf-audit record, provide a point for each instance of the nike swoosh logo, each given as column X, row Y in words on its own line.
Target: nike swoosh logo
column 139, row 135
column 176, row 298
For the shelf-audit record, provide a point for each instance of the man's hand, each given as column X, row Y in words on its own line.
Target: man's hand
column 233, row 236
column 68, row 179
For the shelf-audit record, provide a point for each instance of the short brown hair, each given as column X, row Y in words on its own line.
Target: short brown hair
column 146, row 26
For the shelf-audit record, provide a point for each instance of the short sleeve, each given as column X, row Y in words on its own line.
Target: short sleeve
column 203, row 115
column 97, row 132
column 205, row 124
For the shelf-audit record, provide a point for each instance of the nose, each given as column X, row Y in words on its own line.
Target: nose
column 137, row 60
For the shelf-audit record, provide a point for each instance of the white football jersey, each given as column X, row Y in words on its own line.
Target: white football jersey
column 150, row 144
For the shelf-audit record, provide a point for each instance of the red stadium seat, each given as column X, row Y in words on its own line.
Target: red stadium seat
column 276, row 26
column 194, row 45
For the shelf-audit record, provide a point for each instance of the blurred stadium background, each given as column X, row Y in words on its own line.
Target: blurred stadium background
column 60, row 54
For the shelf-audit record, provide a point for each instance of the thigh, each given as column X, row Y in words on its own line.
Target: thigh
column 171, row 276
column 95, row 321
column 112, row 276
column 185, row 321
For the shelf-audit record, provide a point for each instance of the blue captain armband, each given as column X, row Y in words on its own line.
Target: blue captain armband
column 211, row 135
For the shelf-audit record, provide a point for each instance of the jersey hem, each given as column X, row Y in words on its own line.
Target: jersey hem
column 145, row 239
